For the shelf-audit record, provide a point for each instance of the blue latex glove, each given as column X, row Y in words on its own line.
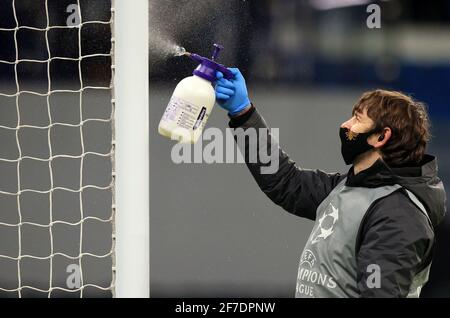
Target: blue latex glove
column 232, row 94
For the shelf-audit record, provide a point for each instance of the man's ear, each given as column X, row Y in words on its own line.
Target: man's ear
column 383, row 137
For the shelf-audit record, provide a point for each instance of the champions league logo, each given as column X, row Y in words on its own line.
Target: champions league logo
column 308, row 258
column 326, row 224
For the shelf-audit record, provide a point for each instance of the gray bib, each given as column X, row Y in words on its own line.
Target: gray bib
column 328, row 263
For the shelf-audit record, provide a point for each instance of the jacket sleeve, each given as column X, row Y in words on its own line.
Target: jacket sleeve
column 397, row 240
column 298, row 191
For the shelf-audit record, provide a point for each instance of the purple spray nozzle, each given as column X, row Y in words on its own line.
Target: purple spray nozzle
column 208, row 67
column 217, row 49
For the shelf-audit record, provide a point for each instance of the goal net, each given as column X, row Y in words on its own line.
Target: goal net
column 58, row 120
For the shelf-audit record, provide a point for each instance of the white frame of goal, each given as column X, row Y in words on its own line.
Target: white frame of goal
column 131, row 89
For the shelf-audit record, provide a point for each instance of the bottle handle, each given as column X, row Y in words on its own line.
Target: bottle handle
column 226, row 72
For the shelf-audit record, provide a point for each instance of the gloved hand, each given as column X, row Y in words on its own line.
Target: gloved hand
column 232, row 95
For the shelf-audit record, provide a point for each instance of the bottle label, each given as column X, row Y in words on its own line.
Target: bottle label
column 200, row 118
column 185, row 115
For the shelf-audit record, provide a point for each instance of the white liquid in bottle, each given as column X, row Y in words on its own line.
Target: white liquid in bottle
column 188, row 110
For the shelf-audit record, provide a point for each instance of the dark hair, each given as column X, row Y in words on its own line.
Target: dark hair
column 408, row 120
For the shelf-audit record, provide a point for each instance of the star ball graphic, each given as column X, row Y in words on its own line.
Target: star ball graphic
column 326, row 224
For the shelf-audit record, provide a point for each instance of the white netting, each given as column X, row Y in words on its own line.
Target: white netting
column 68, row 218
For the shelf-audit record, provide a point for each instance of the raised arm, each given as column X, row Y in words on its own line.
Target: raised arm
column 298, row 191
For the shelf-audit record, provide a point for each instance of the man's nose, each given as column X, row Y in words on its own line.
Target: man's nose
column 347, row 124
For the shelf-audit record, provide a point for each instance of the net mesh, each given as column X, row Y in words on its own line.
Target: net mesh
column 56, row 165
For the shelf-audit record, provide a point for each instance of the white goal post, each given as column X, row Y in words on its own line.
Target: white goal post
column 74, row 148
column 131, row 38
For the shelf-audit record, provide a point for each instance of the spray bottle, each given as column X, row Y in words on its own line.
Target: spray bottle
column 193, row 100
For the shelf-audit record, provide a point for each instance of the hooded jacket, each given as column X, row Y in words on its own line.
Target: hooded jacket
column 395, row 234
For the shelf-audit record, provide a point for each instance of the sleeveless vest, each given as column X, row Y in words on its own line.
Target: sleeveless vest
column 328, row 265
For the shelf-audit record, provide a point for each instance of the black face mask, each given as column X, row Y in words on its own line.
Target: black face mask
column 353, row 145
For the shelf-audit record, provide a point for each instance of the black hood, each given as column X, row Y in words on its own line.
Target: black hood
column 422, row 180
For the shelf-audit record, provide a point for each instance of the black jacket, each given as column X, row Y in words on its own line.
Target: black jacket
column 394, row 234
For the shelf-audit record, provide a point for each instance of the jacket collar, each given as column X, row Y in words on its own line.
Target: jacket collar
column 377, row 175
